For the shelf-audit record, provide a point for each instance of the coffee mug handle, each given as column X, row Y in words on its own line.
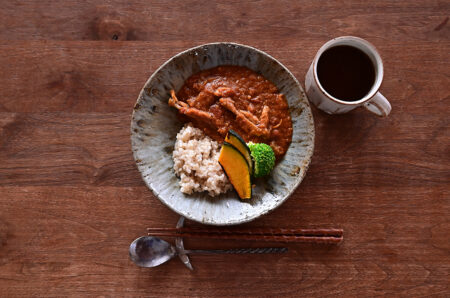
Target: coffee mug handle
column 379, row 105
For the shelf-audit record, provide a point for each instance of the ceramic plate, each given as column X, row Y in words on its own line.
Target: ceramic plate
column 154, row 127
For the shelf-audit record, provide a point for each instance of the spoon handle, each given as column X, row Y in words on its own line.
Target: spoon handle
column 263, row 250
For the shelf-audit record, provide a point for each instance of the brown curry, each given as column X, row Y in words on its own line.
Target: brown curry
column 235, row 97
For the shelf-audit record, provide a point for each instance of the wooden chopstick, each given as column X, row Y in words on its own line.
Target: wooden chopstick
column 254, row 231
column 276, row 235
column 273, row 238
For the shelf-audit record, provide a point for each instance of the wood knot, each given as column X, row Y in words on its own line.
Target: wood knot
column 3, row 233
column 112, row 28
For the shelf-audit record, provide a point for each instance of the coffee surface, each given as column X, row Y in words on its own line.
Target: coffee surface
column 346, row 73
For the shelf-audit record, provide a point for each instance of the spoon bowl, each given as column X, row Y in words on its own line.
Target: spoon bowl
column 150, row 251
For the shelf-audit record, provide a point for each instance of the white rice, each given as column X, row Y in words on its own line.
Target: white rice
column 195, row 160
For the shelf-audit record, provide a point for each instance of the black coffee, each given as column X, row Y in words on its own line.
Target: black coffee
column 346, row 72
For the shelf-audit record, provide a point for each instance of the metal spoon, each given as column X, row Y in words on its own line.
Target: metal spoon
column 148, row 251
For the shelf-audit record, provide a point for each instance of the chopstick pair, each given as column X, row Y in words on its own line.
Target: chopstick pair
column 325, row 236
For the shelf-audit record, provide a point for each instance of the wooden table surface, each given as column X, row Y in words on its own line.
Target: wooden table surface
column 71, row 198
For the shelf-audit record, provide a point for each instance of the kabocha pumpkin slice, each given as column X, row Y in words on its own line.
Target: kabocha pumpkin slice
column 235, row 139
column 237, row 170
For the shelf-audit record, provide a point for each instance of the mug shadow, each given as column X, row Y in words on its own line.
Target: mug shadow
column 340, row 134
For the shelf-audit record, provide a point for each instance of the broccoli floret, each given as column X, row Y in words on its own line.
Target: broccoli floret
column 263, row 157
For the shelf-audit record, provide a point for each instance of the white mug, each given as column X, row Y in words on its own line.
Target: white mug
column 373, row 101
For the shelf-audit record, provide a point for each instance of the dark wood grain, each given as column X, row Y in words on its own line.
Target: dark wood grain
column 49, row 76
column 71, row 198
column 76, row 149
column 193, row 20
column 76, row 240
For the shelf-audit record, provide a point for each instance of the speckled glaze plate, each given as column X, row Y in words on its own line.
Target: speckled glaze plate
column 154, row 126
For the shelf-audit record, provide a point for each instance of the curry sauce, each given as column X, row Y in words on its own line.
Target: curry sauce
column 235, row 97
